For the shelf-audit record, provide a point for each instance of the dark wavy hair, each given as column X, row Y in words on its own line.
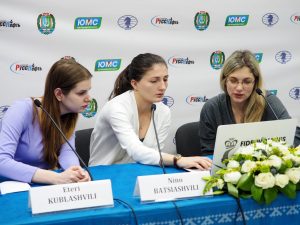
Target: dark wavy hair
column 140, row 64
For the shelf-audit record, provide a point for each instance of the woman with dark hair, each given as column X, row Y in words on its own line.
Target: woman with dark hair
column 124, row 130
column 30, row 146
column 239, row 79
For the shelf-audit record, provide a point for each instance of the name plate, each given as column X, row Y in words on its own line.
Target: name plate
column 61, row 197
column 167, row 187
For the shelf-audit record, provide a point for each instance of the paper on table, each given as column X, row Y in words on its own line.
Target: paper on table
column 194, row 170
column 13, row 186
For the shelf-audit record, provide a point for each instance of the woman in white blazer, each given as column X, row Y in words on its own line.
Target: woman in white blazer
column 124, row 130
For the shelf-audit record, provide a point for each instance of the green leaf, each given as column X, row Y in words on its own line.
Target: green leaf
column 232, row 190
column 289, row 190
column 207, row 178
column 245, row 182
column 208, row 186
column 298, row 187
column 282, row 168
column 218, row 192
column 245, row 195
column 270, row 195
column 256, row 193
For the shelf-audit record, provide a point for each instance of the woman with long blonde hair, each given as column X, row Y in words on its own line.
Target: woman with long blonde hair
column 240, row 103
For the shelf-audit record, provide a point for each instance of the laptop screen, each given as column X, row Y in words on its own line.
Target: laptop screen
column 230, row 137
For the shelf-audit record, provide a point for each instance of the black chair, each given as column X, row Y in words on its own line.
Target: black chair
column 82, row 144
column 187, row 139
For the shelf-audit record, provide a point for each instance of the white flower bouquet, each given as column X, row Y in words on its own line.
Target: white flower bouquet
column 260, row 171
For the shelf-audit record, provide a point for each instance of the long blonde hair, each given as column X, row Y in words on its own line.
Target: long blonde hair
column 237, row 60
column 64, row 74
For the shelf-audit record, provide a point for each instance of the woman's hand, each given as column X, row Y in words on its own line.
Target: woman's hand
column 73, row 174
column 202, row 163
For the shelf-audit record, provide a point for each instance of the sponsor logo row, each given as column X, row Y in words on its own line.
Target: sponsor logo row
column 92, row 108
column 46, row 21
column 216, row 58
column 294, row 93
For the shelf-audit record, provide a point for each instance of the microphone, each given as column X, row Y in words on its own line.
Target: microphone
column 259, row 92
column 161, row 162
column 39, row 104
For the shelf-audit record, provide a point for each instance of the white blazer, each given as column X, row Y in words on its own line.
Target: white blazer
column 115, row 136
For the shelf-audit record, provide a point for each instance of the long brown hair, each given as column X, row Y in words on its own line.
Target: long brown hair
column 239, row 59
column 64, row 74
column 140, row 64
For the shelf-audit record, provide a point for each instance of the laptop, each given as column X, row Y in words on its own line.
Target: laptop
column 232, row 136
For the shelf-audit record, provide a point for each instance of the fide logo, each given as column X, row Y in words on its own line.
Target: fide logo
column 230, row 143
column 127, row 22
column 283, row 57
column 91, row 109
column 46, row 23
column 229, row 146
column 168, row 100
column 270, row 19
column 295, row 93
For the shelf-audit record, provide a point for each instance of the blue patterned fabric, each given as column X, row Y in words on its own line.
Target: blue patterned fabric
column 198, row 211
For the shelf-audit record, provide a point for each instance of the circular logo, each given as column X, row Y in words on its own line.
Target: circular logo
column 295, row 18
column 3, row 110
column 195, row 100
column 176, row 61
column 295, row 93
column 270, row 19
column 127, row 22
column 46, row 23
column 201, row 20
column 91, row 109
column 283, row 57
column 168, row 100
column 230, row 143
column 217, row 59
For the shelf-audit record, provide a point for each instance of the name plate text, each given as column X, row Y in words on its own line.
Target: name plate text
column 61, row 197
column 167, row 187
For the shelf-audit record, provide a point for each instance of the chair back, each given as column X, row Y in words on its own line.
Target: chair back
column 187, row 139
column 82, row 144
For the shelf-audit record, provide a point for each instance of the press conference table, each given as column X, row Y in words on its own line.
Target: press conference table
column 201, row 210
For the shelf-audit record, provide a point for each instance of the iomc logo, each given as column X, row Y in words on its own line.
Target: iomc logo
column 87, row 23
column 107, row 64
column 236, row 20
